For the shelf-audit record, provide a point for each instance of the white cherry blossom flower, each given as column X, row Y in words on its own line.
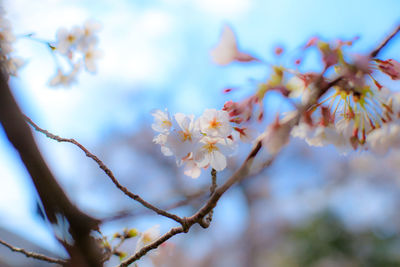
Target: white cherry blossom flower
column 227, row 51
column 215, row 123
column 88, row 37
column 345, row 127
column 384, row 138
column 191, row 168
column 7, row 38
column 62, row 79
column 212, row 151
column 66, row 39
column 162, row 121
column 13, row 64
column 302, row 130
column 90, row 57
column 183, row 139
column 161, row 139
column 147, row 237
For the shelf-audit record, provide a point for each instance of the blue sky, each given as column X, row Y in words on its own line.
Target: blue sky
column 155, row 55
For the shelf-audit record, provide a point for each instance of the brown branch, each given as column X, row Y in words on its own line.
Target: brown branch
column 143, row 251
column 376, row 51
column 83, row 250
column 207, row 220
column 107, row 171
column 201, row 213
column 132, row 213
column 33, row 254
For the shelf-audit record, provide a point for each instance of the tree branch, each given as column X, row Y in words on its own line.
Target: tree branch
column 376, row 51
column 83, row 250
column 33, row 254
column 143, row 251
column 200, row 214
column 107, row 171
column 205, row 223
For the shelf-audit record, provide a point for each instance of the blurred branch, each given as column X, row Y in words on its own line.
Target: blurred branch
column 376, row 51
column 33, row 254
column 106, row 170
column 83, row 249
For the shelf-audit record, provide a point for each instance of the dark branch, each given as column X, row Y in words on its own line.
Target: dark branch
column 33, row 254
column 376, row 51
column 106, row 170
column 143, row 251
column 84, row 249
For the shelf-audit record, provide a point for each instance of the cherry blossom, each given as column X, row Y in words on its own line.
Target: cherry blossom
column 68, row 39
column 227, row 51
column 212, row 151
column 162, row 121
column 88, row 38
column 182, row 140
column 7, row 39
column 384, row 138
column 62, row 79
column 147, row 237
column 191, row 168
column 90, row 57
column 161, row 140
column 200, row 143
column 215, row 123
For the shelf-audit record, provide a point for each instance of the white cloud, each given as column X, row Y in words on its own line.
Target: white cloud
column 225, row 8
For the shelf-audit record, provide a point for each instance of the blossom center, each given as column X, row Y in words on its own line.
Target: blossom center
column 147, row 238
column 210, row 147
column 214, row 124
column 166, row 123
column 185, row 136
column 71, row 38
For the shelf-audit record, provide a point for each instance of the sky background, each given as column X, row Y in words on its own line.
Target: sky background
column 156, row 56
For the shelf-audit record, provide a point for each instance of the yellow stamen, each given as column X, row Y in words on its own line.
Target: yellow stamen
column 214, row 124
column 147, row 238
column 185, row 136
column 210, row 147
column 167, row 123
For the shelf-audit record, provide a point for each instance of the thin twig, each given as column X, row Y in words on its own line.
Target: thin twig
column 143, row 251
column 106, row 170
column 33, row 254
column 134, row 213
column 376, row 51
column 207, row 220
column 201, row 213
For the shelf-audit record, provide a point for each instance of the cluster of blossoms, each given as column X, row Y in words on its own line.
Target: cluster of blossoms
column 78, row 46
column 358, row 112
column 7, row 38
column 355, row 112
column 203, row 142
